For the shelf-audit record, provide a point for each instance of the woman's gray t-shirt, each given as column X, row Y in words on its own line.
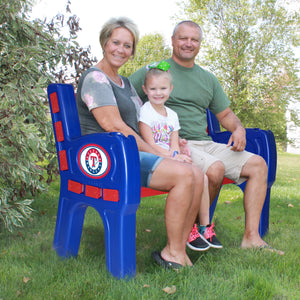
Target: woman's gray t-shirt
column 95, row 89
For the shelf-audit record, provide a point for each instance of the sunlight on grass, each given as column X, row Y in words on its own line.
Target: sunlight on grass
column 30, row 269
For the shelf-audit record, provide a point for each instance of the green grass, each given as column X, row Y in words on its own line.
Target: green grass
column 30, row 269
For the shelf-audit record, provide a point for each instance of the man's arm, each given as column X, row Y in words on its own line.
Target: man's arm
column 231, row 122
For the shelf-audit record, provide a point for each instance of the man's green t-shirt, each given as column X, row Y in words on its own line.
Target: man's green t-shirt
column 195, row 90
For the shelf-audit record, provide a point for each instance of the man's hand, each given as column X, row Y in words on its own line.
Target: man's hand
column 184, row 148
column 237, row 140
column 231, row 122
column 183, row 158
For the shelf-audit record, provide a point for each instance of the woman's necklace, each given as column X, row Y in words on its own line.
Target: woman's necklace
column 113, row 77
column 116, row 79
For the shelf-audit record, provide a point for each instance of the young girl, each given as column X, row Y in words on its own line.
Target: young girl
column 159, row 127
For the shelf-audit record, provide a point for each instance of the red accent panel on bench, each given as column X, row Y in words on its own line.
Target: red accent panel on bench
column 59, row 131
column 54, row 103
column 92, row 191
column 75, row 187
column 110, row 195
column 147, row 192
column 63, row 160
column 227, row 181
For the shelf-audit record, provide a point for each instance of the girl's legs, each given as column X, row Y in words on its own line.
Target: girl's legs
column 204, row 204
column 202, row 235
column 198, row 190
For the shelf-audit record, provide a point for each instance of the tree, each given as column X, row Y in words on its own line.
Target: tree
column 248, row 45
column 151, row 47
column 31, row 52
column 75, row 59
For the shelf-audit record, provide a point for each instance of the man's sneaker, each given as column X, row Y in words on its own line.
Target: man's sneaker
column 210, row 237
column 195, row 242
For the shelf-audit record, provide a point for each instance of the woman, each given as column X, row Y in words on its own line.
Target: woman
column 107, row 102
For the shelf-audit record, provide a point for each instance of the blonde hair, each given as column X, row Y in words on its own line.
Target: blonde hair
column 157, row 72
column 121, row 22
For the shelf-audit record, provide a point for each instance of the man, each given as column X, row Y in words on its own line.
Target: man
column 195, row 90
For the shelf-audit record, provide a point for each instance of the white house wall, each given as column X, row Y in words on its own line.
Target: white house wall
column 293, row 132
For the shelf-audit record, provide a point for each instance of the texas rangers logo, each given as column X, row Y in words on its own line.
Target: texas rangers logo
column 94, row 161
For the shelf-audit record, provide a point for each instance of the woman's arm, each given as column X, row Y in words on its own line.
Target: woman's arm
column 108, row 117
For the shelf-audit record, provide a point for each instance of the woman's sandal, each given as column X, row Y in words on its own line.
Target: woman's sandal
column 164, row 263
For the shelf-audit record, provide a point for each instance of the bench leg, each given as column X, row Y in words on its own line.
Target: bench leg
column 68, row 228
column 120, row 243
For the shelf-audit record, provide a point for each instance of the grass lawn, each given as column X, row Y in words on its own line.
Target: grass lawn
column 30, row 269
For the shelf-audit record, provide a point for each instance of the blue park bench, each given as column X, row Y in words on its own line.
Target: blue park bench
column 102, row 171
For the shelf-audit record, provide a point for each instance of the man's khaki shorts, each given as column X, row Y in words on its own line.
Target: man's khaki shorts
column 205, row 153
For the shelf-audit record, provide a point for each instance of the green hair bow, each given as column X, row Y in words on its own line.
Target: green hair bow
column 161, row 65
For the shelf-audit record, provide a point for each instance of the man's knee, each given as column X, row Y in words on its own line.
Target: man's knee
column 257, row 166
column 215, row 173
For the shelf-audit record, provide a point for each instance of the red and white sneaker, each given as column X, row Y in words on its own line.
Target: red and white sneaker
column 195, row 241
column 209, row 236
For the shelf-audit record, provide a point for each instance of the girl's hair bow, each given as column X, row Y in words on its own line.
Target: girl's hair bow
column 161, row 65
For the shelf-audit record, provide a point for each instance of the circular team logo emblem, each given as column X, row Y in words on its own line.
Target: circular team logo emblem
column 94, row 161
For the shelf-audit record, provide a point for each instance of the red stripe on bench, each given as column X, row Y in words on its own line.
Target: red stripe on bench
column 110, row 195
column 92, row 191
column 59, row 131
column 75, row 187
column 63, row 160
column 54, row 103
column 147, row 192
